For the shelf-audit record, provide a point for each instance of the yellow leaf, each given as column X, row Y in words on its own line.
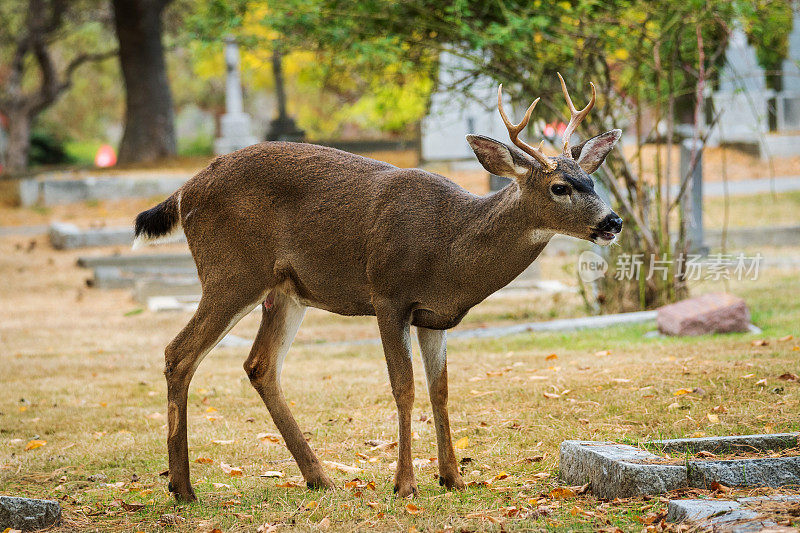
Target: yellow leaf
column 621, row 54
column 211, row 410
column 551, row 357
column 204, row 460
column 681, row 392
column 413, row 509
column 602, row 353
column 461, row 443
column 714, row 419
column 559, row 493
column 311, row 505
column 502, row 475
column 32, row 445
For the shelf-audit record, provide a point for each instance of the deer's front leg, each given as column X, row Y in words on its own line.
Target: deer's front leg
column 394, row 328
column 433, row 345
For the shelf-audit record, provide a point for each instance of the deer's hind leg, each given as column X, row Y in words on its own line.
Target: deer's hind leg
column 219, row 310
column 433, row 345
column 279, row 324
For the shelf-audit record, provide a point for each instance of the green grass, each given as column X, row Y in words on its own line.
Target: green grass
column 93, row 389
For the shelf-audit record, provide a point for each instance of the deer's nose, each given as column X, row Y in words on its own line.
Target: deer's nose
column 611, row 223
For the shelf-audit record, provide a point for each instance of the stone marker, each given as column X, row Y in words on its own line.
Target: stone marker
column 734, row 516
column 617, row 470
column 621, row 471
column 64, row 236
column 28, row 514
column 709, row 313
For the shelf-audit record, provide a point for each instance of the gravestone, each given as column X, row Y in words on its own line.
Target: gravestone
column 692, row 200
column 235, row 124
column 282, row 128
column 787, row 102
column 709, row 313
column 28, row 514
column 742, row 97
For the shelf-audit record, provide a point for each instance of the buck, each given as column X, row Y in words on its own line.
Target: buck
column 291, row 226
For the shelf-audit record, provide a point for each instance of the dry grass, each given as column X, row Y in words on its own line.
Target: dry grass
column 81, row 370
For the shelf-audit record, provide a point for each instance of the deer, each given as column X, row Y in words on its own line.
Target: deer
column 289, row 226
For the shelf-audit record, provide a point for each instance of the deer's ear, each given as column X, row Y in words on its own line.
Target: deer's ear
column 498, row 158
column 591, row 153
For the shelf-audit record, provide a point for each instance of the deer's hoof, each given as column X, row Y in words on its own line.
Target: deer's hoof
column 452, row 481
column 183, row 495
column 405, row 490
column 322, row 482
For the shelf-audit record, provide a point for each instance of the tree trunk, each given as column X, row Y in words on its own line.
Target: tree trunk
column 149, row 120
column 19, row 142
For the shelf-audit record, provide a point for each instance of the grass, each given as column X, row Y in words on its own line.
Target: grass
column 83, row 373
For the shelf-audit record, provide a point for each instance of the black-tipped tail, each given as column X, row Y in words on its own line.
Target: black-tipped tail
column 158, row 223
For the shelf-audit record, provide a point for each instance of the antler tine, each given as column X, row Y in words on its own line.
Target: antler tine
column 576, row 117
column 515, row 129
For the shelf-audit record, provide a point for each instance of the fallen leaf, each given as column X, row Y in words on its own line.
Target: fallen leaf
column 714, row 419
column 551, row 357
column 762, row 382
column 461, row 443
column 502, row 475
column 602, row 353
column 32, row 445
column 231, row 470
column 311, row 505
column 706, row 453
column 130, row 507
column 716, row 486
column 719, row 409
column 211, row 410
column 271, row 473
column 169, row 519
column 551, row 395
column 288, row 485
column 788, row 376
column 559, row 493
column 541, row 475
column 204, row 460
column 760, row 342
column 681, row 392
column 786, row 338
column 413, row 509
column 267, row 528
column 341, row 467
column 269, row 437
column 222, row 442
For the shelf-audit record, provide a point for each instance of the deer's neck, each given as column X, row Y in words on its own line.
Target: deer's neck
column 500, row 240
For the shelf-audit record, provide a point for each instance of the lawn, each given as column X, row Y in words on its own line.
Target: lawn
column 81, row 372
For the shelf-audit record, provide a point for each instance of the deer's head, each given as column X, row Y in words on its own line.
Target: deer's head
column 556, row 191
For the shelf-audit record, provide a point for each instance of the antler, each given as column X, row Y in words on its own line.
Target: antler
column 515, row 129
column 575, row 116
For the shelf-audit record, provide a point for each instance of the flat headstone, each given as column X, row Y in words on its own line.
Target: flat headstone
column 734, row 516
column 760, row 472
column 28, row 514
column 709, row 313
column 64, row 236
column 617, row 470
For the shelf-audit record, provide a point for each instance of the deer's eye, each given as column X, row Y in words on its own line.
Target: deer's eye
column 559, row 189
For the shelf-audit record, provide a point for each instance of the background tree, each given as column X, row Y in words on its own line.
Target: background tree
column 36, row 67
column 646, row 57
column 149, row 117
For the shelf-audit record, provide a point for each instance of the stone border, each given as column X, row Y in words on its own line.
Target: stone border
column 28, row 514
column 621, row 471
column 727, row 515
